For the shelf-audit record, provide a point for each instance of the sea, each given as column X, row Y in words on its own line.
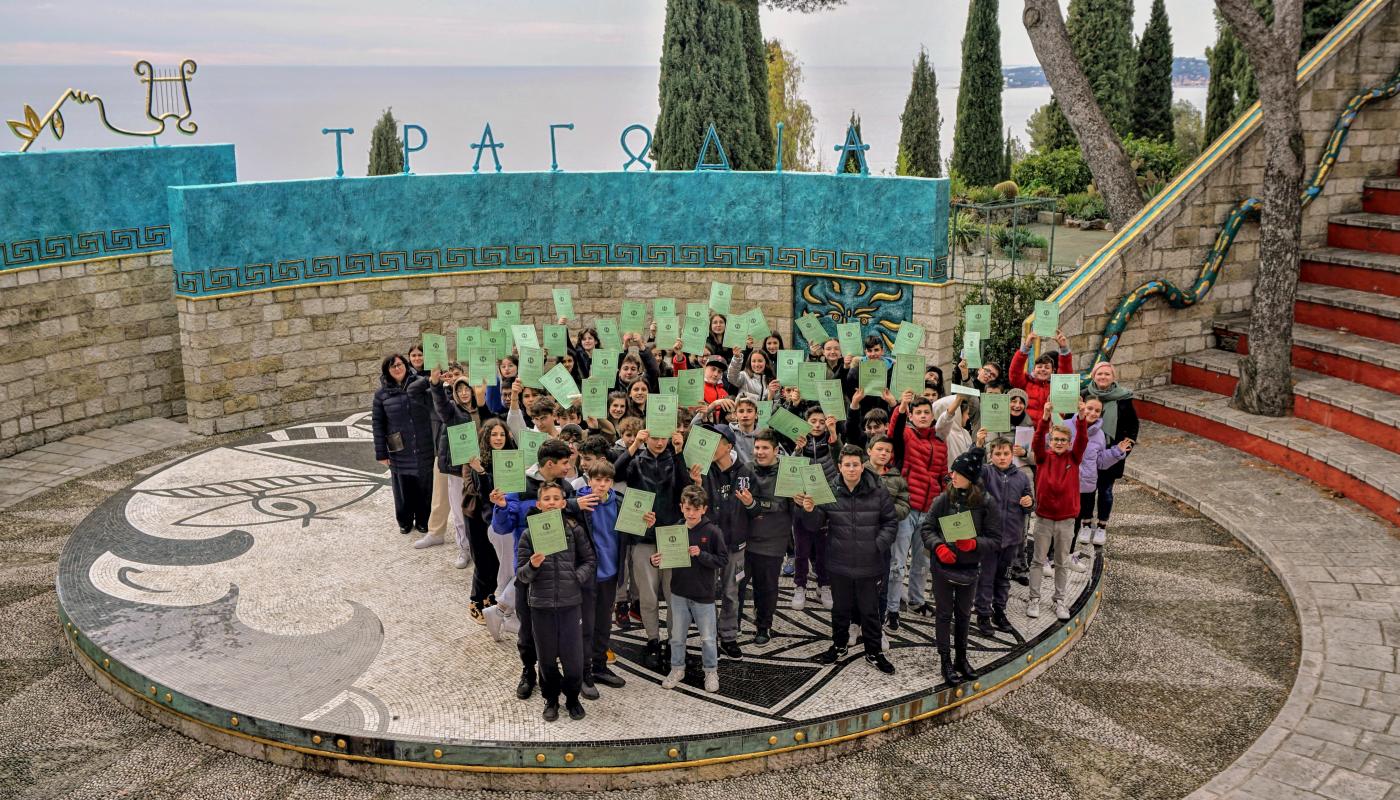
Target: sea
column 275, row 115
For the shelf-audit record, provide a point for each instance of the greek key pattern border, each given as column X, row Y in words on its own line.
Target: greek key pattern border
column 64, row 247
column 283, row 273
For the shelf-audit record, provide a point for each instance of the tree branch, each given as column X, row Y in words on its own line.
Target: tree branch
column 1248, row 25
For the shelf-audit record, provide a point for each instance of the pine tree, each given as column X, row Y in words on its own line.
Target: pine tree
column 704, row 80
column 1220, row 94
column 385, row 147
column 1101, row 32
column 852, row 164
column 918, row 125
column 977, row 130
column 1152, row 95
column 786, row 105
column 757, row 67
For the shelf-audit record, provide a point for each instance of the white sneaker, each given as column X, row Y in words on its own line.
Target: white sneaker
column 677, row 674
column 1100, row 536
column 1077, row 564
column 464, row 559
column 1061, row 612
column 826, row 597
column 494, row 620
column 1085, row 532
column 1033, row 608
column 799, row 600
column 428, row 540
column 1047, row 569
column 512, row 625
column 812, row 593
column 711, row 680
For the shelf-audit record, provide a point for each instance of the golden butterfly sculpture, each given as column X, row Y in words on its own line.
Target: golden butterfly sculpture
column 167, row 98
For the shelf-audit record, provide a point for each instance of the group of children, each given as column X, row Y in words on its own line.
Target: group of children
column 901, row 491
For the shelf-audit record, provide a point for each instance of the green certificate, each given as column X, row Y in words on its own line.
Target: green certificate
column 434, row 351
column 661, row 414
column 848, row 333
column 812, row 329
column 972, row 349
column 690, row 387
column 967, row 390
column 996, row 413
column 908, row 373
column 497, row 340
column 956, row 527
column 789, row 481
column 668, row 385
column 788, row 424
column 700, row 446
column 563, row 304
column 874, row 376
column 808, row 373
column 815, row 486
column 547, row 532
column 693, row 335
column 508, row 470
column 978, row 318
column 663, row 307
column 467, row 338
column 530, row 442
column 481, row 365
column 556, row 340
column 720, row 296
column 909, row 339
column 736, row 331
column 756, row 326
column 673, row 543
column 508, row 312
column 698, row 311
column 604, row 366
column 524, row 336
column 559, row 383
column 1047, row 319
column 1064, row 392
column 668, row 330
column 765, row 413
column 789, row 361
column 831, row 397
column 462, row 441
column 635, row 505
column 608, row 336
column 531, row 366
column 595, row 397
column 634, row 316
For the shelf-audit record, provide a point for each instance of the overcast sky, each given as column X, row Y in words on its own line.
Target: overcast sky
column 494, row 32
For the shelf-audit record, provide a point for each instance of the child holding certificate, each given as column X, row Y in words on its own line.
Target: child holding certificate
column 958, row 528
column 693, row 589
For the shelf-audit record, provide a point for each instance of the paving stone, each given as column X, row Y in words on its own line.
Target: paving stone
column 1344, row 784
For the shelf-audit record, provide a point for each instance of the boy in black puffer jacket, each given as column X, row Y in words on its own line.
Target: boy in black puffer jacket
column 956, row 564
column 770, row 534
column 556, row 584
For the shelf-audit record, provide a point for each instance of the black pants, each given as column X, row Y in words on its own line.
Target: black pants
column 525, row 641
column 559, row 639
column 953, row 606
column 483, row 557
column 597, row 613
column 763, row 574
column 993, row 581
column 1086, row 510
column 413, row 499
column 855, row 600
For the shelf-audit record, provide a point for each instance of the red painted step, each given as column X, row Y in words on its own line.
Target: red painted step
column 1372, row 315
column 1379, row 233
column 1381, row 196
column 1339, row 354
column 1377, row 273
column 1362, row 412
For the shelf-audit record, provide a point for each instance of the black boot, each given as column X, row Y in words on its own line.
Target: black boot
column 984, row 625
column 526, row 687
column 950, row 675
column 964, row 668
column 892, row 621
column 651, row 655
column 574, row 707
column 1001, row 622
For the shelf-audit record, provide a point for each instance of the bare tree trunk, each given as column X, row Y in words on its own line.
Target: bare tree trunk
column 1108, row 161
column 1266, row 374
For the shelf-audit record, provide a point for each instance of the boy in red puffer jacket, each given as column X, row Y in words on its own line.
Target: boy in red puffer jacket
column 1037, row 384
column 923, row 458
column 1057, row 498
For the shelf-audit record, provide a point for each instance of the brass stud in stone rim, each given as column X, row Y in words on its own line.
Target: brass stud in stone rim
column 437, row 754
column 977, row 686
column 153, row 691
column 569, row 758
column 885, row 717
column 316, row 739
column 772, row 740
column 799, row 736
column 169, row 697
column 233, row 721
column 958, row 692
column 673, row 753
column 539, row 757
column 106, row 663
column 340, row 743
column 1030, row 657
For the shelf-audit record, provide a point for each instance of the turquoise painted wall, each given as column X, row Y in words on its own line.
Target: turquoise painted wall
column 70, row 205
column 253, row 236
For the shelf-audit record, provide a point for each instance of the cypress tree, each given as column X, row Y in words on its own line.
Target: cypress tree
column 1246, row 90
column 852, row 164
column 1152, row 96
column 756, row 53
column 385, row 146
column 918, row 125
column 1220, row 94
column 977, row 130
column 1101, row 33
column 704, row 80
column 1061, row 135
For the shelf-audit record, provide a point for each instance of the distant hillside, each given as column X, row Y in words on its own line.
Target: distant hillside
column 1185, row 72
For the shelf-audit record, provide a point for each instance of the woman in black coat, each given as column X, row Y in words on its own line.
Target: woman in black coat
column 403, row 441
column 956, row 564
column 1120, row 424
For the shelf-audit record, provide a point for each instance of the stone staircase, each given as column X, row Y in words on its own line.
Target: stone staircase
column 1345, row 432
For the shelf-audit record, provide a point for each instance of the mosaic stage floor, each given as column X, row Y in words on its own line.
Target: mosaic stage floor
column 263, row 588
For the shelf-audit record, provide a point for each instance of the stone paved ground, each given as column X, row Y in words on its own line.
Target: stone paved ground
column 1170, row 685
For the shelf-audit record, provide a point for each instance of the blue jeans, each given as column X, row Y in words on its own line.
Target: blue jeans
column 899, row 564
column 918, row 563
column 684, row 611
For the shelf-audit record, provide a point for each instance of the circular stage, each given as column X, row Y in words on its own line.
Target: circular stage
column 259, row 597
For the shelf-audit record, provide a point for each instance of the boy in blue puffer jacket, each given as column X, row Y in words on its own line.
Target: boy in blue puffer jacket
column 598, row 598
column 1009, row 489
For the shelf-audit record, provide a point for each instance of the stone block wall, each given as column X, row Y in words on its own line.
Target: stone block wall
column 87, row 345
column 1176, row 243
column 290, row 354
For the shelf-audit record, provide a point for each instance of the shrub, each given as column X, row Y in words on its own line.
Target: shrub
column 1063, row 171
column 982, row 194
column 1012, row 300
column 1083, row 205
column 1153, row 161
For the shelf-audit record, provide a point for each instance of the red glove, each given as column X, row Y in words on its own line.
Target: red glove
column 945, row 553
column 966, row 545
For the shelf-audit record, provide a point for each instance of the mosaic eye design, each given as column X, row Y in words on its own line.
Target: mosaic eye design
column 264, row 501
column 878, row 306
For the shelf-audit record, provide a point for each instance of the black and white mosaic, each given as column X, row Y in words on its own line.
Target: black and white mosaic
column 268, row 578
